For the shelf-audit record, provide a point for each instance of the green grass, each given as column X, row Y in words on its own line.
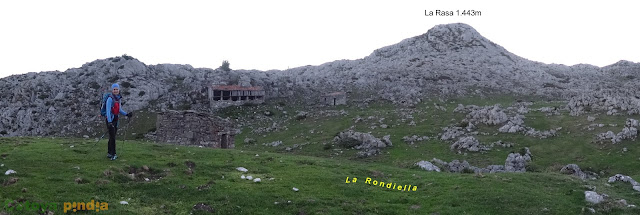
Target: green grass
column 48, row 167
column 52, row 166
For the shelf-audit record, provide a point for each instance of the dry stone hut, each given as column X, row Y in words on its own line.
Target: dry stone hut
column 335, row 98
column 226, row 95
column 194, row 128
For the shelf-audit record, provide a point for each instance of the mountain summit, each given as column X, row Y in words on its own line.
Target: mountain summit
column 457, row 39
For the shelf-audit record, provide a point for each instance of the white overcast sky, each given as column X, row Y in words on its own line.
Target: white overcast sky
column 57, row 35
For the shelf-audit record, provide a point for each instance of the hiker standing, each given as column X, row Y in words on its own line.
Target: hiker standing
column 114, row 109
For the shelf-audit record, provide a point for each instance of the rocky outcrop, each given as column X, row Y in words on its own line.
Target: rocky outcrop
column 620, row 177
column 488, row 115
column 468, row 143
column 593, row 197
column 573, row 169
column 629, row 132
column 517, row 162
column 365, row 142
column 414, row 138
column 428, row 166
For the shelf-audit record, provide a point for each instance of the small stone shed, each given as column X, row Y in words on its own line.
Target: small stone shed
column 194, row 128
column 335, row 98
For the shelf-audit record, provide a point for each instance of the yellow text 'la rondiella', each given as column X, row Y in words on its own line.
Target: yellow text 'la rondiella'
column 383, row 184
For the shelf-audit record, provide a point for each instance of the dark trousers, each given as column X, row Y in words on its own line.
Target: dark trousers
column 111, row 148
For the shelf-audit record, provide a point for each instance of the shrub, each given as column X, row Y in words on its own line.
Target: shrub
column 225, row 66
column 3, row 132
column 127, row 57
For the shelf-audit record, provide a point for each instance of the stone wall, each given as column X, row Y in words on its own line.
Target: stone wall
column 194, row 128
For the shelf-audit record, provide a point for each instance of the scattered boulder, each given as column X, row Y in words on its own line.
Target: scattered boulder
column 458, row 167
column 514, row 125
column 502, row 144
column 451, row 133
column 273, row 144
column 426, row 165
column 516, row 162
column 365, row 142
column 301, row 115
column 242, row 169
column 80, row 181
column 10, row 181
column 573, row 169
column 593, row 197
column 624, row 178
column 203, row 207
column 412, row 139
column 549, row 110
column 629, row 132
column 9, row 172
column 189, row 164
column 468, row 143
column 488, row 115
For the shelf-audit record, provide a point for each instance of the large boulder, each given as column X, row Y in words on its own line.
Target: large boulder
column 517, row 162
column 593, row 197
column 426, row 165
column 469, row 143
column 365, row 142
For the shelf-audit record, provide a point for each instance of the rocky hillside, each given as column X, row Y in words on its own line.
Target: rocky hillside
column 452, row 59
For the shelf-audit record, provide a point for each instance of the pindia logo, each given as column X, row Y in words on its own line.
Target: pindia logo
column 68, row 206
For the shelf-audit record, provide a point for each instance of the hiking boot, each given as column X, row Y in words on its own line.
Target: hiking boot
column 114, row 157
column 109, row 156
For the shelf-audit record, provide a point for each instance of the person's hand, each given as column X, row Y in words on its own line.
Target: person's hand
column 111, row 125
column 130, row 114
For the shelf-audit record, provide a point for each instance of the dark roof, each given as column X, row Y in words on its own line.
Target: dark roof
column 235, row 87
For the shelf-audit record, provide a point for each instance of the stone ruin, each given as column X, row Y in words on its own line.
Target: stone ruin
column 229, row 95
column 335, row 98
column 195, row 129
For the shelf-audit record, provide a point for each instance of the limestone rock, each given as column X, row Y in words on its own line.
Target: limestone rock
column 468, row 143
column 593, row 197
column 516, row 162
column 573, row 169
column 366, row 143
column 426, row 165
